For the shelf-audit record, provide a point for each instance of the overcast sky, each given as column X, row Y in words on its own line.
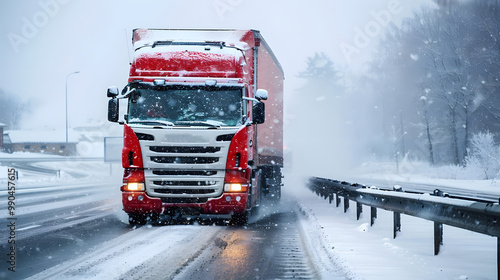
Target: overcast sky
column 42, row 41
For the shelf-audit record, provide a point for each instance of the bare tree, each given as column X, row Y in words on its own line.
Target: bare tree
column 453, row 54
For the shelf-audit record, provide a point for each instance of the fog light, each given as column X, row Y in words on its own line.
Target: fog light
column 228, row 198
column 130, row 198
column 140, row 198
column 238, row 198
column 211, row 82
column 159, row 82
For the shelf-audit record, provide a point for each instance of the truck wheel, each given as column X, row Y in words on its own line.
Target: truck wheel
column 239, row 219
column 154, row 218
column 137, row 219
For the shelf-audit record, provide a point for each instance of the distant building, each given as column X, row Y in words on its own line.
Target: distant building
column 33, row 141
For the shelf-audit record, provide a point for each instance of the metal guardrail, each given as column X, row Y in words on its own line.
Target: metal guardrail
column 470, row 214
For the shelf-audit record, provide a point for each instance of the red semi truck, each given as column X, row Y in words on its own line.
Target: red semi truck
column 198, row 138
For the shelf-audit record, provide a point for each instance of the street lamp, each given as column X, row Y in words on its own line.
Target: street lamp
column 76, row 72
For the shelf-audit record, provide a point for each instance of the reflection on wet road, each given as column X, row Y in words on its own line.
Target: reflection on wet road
column 269, row 248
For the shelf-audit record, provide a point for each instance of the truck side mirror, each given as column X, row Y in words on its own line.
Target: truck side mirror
column 259, row 113
column 113, row 110
column 113, row 92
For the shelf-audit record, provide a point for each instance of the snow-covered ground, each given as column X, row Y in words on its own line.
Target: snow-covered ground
column 358, row 250
column 70, row 171
column 420, row 172
column 365, row 252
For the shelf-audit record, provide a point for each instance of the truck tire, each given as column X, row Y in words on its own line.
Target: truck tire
column 142, row 219
column 239, row 219
column 137, row 219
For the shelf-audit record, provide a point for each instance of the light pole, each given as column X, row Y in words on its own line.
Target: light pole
column 76, row 72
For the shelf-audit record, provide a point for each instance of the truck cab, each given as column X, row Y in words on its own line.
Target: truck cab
column 193, row 143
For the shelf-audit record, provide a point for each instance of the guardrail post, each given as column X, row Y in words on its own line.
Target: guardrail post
column 330, row 198
column 397, row 223
column 397, row 215
column 438, row 228
column 346, row 204
column 359, row 210
column 438, row 237
column 373, row 215
column 337, row 199
column 498, row 258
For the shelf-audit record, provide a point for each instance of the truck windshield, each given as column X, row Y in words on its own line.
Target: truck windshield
column 192, row 106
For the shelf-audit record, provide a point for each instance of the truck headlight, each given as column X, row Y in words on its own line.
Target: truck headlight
column 134, row 187
column 234, row 187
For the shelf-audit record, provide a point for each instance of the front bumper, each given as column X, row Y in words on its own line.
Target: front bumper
column 228, row 203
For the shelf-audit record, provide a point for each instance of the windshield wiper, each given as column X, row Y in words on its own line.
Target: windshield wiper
column 163, row 123
column 200, row 123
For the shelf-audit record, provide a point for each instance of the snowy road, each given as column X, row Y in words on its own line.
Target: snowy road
column 69, row 228
column 269, row 248
column 78, row 231
column 54, row 222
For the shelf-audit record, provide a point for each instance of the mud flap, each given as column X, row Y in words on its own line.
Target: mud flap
column 272, row 182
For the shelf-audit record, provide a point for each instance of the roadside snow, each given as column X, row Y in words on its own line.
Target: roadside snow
column 70, row 170
column 423, row 173
column 364, row 252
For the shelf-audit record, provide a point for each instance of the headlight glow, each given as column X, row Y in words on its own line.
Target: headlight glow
column 134, row 187
column 235, row 187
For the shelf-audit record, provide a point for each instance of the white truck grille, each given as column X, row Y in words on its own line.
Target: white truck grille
column 185, row 166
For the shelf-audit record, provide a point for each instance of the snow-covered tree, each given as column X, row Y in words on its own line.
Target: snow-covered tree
column 320, row 68
column 484, row 154
column 322, row 80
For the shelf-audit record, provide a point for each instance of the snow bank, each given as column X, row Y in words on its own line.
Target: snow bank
column 364, row 252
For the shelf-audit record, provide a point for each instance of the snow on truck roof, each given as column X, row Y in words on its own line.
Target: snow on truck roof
column 236, row 38
column 241, row 39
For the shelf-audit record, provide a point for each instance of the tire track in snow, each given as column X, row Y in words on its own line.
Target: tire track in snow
column 280, row 245
column 146, row 252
